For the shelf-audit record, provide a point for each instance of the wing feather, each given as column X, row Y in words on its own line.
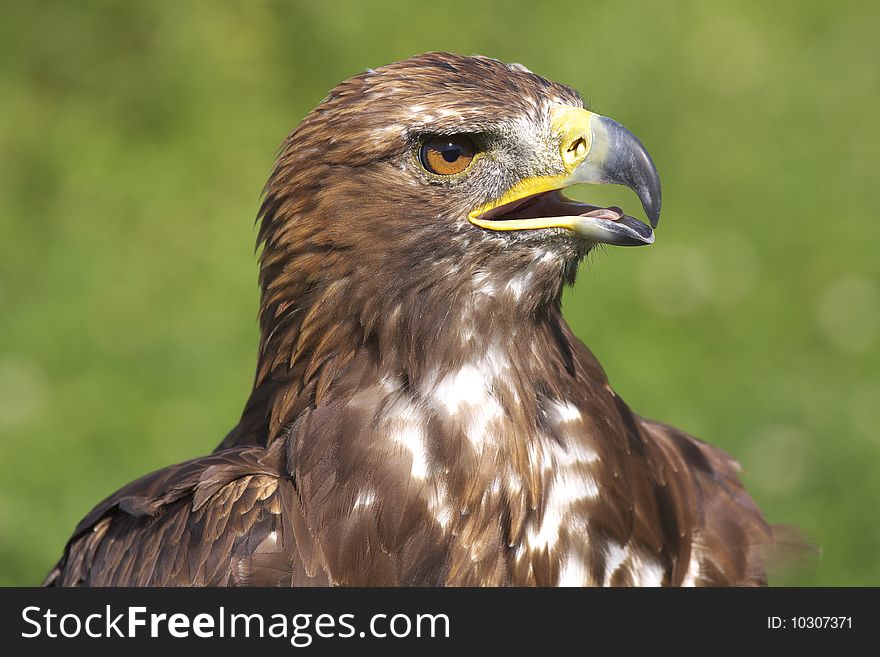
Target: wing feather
column 730, row 539
column 226, row 519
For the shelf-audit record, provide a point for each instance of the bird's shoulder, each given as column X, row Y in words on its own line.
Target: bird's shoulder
column 686, row 495
column 730, row 540
column 227, row 519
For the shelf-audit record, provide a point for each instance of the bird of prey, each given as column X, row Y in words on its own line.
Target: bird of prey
column 421, row 412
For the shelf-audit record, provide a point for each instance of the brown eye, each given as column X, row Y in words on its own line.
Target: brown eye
column 446, row 156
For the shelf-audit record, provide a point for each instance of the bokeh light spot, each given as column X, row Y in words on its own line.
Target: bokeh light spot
column 23, row 391
column 779, row 459
column 676, row 280
column 848, row 313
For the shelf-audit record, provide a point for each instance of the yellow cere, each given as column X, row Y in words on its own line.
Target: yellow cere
column 572, row 125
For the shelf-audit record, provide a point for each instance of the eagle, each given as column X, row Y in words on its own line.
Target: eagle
column 422, row 414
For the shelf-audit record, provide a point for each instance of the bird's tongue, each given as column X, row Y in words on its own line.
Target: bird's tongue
column 551, row 204
column 604, row 225
column 612, row 213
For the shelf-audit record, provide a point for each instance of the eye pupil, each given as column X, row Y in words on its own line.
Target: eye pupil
column 450, row 152
column 447, row 156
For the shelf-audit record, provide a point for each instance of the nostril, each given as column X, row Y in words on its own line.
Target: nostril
column 577, row 147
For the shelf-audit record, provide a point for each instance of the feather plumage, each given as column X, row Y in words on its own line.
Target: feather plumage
column 421, row 412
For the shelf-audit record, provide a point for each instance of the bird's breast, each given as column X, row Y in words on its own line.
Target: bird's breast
column 505, row 482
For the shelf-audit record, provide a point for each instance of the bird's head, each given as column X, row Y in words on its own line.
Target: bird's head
column 445, row 172
column 415, row 218
column 432, row 156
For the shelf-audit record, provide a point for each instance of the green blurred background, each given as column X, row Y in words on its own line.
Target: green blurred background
column 135, row 139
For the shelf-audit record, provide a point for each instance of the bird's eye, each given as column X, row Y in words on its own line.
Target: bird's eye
column 447, row 156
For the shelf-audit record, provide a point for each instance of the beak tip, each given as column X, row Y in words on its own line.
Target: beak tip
column 653, row 212
column 651, row 195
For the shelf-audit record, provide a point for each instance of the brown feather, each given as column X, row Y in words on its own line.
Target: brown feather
column 416, row 420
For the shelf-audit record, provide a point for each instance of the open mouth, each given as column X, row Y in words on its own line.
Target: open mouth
column 552, row 209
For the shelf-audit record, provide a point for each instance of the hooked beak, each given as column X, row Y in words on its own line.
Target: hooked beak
column 594, row 150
